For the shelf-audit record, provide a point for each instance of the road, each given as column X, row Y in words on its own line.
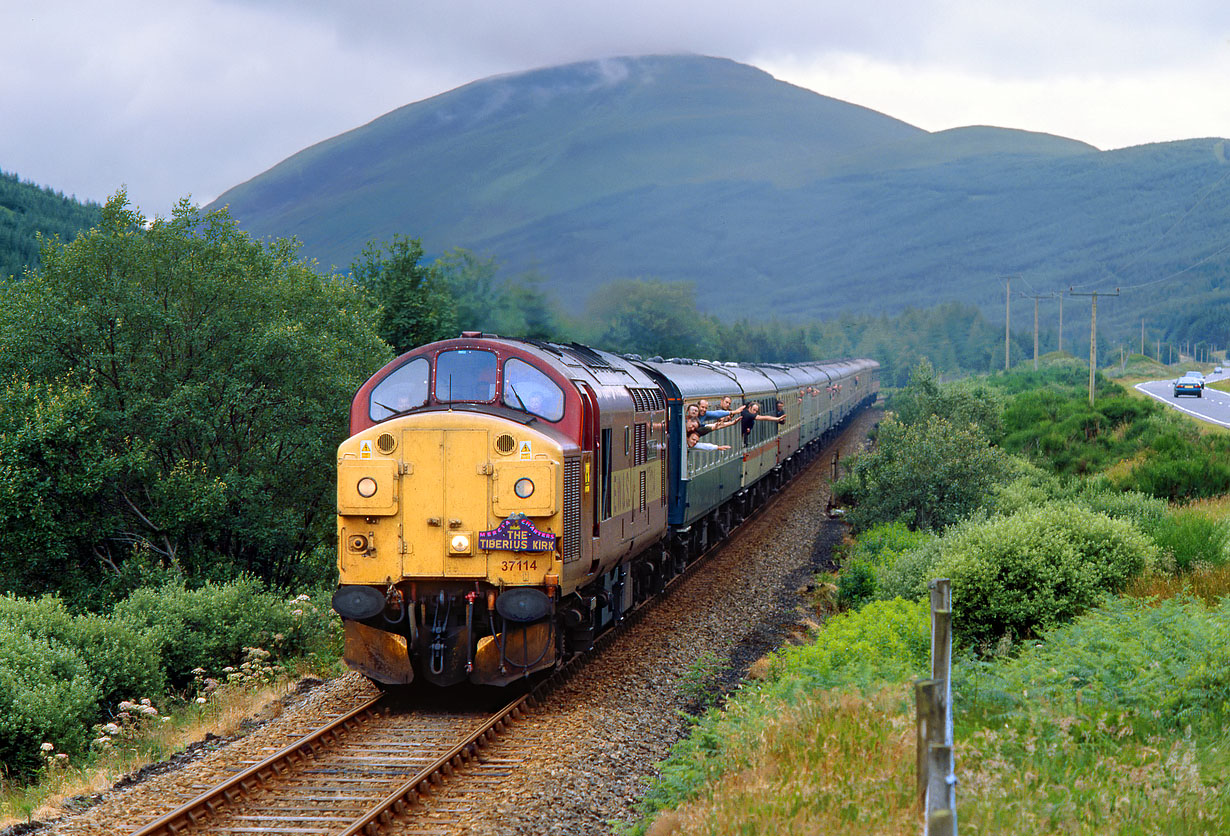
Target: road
column 1214, row 407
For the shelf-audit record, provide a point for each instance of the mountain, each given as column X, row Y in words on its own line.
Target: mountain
column 27, row 210
column 772, row 199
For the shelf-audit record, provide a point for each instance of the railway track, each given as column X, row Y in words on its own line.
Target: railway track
column 347, row 777
column 362, row 769
column 374, row 763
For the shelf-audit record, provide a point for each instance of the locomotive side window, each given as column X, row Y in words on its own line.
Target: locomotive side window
column 465, row 375
column 528, row 389
column 404, row 389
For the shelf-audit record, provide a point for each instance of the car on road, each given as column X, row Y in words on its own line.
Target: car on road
column 1191, row 383
column 1218, row 370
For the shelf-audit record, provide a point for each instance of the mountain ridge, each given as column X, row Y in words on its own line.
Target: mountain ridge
column 773, row 199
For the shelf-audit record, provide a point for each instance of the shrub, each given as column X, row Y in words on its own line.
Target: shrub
column 872, row 557
column 1190, row 539
column 1127, row 655
column 928, row 475
column 911, row 571
column 120, row 660
column 1020, row 574
column 1026, row 485
column 46, row 696
column 211, row 626
column 1181, row 472
column 885, row 641
column 1100, row 495
column 856, row 585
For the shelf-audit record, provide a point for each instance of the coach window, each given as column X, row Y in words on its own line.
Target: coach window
column 465, row 375
column 405, row 388
column 528, row 389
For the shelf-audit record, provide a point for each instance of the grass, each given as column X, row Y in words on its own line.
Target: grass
column 1091, row 773
column 836, row 762
column 1209, row 584
column 142, row 742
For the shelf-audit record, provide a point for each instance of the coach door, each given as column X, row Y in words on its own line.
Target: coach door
column 445, row 496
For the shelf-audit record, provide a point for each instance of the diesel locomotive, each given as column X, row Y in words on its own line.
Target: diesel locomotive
column 502, row 502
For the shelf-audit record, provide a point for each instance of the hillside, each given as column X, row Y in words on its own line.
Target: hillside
column 25, row 211
column 771, row 198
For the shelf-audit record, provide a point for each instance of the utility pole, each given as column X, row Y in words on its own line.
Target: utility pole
column 1007, row 317
column 1093, row 336
column 1142, row 335
column 1060, row 295
column 1036, row 297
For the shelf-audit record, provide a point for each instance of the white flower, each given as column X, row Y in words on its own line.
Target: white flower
column 148, row 710
column 111, row 728
column 296, row 613
column 200, row 700
column 146, row 702
column 125, row 705
column 301, row 598
column 48, row 747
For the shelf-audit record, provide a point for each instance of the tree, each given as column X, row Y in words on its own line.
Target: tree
column 928, row 474
column 416, row 306
column 183, row 388
column 650, row 317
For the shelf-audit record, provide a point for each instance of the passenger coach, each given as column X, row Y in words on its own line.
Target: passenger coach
column 501, row 502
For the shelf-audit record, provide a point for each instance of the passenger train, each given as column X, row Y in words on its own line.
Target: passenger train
column 502, row 502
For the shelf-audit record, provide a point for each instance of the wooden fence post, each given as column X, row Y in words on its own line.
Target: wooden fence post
column 941, row 806
column 927, row 718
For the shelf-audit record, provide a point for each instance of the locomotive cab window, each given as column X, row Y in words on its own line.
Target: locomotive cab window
column 529, row 390
column 465, row 375
column 404, row 389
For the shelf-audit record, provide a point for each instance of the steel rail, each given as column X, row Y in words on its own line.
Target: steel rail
column 412, row 791
column 205, row 804
column 197, row 811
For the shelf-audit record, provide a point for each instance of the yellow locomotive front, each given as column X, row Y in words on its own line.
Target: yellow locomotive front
column 451, row 498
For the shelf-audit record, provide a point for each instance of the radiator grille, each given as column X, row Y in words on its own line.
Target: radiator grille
column 639, row 452
column 570, row 545
column 643, row 504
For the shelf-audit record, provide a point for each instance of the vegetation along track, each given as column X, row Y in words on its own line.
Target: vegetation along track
column 578, row 761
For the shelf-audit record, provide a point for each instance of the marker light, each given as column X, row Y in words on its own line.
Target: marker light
column 524, row 488
column 366, row 486
column 460, row 544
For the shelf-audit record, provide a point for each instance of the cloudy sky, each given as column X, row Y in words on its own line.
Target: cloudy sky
column 188, row 98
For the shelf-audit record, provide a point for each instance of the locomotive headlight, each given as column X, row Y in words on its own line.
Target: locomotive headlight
column 460, row 544
column 524, row 488
column 366, row 486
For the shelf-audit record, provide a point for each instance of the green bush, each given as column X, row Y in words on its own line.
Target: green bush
column 209, row 627
column 1181, row 470
column 910, row 573
column 1020, row 574
column 928, row 475
column 1099, row 495
column 856, row 585
column 1190, row 540
column 871, row 558
column 1025, row 485
column 46, row 696
column 885, row 641
column 119, row 658
column 1127, row 655
column 1053, row 424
